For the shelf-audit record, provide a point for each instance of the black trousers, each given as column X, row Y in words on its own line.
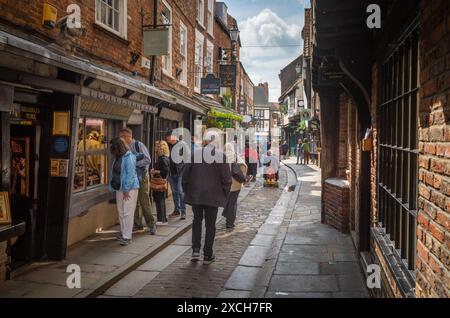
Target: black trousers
column 210, row 215
column 230, row 210
column 160, row 202
column 252, row 169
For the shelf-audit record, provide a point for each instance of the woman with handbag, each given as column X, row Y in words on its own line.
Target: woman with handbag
column 158, row 181
column 238, row 173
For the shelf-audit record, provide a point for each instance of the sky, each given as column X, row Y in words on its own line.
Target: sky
column 269, row 23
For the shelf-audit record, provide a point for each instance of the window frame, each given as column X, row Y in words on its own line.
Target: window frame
column 169, row 70
column 123, row 18
column 210, row 17
column 209, row 51
column 198, row 73
column 184, row 54
column 201, row 12
column 398, row 151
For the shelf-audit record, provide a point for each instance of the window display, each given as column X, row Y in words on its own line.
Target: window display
column 91, row 162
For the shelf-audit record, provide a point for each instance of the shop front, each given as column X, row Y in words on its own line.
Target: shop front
column 58, row 115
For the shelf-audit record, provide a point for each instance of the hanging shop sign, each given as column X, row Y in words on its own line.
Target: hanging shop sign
column 170, row 114
column 156, row 42
column 210, row 85
column 228, row 75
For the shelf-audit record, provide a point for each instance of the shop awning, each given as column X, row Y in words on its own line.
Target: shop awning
column 187, row 102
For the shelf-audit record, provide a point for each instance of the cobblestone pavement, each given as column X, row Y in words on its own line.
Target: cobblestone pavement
column 172, row 274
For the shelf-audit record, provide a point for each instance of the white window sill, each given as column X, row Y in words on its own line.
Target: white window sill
column 108, row 29
column 166, row 73
column 201, row 25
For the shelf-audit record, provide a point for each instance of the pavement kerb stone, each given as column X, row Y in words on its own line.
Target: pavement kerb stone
column 112, row 278
column 265, row 274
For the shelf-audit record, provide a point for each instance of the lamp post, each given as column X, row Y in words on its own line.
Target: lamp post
column 234, row 35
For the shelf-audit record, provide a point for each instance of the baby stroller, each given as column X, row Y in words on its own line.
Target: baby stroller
column 270, row 177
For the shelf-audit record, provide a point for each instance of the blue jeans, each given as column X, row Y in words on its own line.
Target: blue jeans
column 177, row 193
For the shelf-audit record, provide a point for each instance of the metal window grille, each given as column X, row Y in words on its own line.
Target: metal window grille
column 398, row 147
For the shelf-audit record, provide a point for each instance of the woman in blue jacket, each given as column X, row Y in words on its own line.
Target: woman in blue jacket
column 125, row 183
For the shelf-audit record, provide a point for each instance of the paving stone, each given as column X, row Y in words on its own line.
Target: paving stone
column 263, row 240
column 106, row 258
column 131, row 284
column 268, row 230
column 304, row 283
column 339, row 268
column 345, row 257
column 234, row 294
column 297, row 269
column 304, row 257
column 163, row 259
column 243, row 278
column 298, row 295
column 254, row 256
column 299, row 249
column 353, row 282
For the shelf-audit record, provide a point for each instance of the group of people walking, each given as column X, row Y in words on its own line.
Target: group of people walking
column 205, row 186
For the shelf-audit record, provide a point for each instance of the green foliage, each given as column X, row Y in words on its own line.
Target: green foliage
column 301, row 126
column 227, row 101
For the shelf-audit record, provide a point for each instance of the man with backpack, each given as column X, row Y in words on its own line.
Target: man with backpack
column 143, row 162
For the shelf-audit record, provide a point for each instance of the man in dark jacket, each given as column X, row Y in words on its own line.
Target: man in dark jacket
column 206, row 186
column 175, row 179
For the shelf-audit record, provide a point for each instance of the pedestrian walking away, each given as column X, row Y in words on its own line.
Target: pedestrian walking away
column 125, row 183
column 143, row 161
column 175, row 178
column 207, row 186
column 238, row 173
column 298, row 150
column 158, row 183
column 306, row 151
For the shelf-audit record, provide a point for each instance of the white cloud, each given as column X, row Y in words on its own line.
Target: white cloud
column 264, row 63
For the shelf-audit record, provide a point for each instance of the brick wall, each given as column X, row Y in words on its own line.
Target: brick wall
column 343, row 135
column 433, row 246
column 352, row 163
column 92, row 45
column 336, row 203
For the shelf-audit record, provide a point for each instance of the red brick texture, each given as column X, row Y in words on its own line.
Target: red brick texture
column 433, row 247
column 336, row 197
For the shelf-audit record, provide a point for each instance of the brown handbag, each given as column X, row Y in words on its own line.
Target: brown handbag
column 158, row 184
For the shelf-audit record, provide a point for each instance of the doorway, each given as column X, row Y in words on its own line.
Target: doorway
column 24, row 144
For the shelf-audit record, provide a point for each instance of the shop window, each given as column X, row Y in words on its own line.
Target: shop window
column 92, row 154
column 112, row 15
column 398, row 148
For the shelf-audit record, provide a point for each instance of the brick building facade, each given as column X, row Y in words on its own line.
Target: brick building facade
column 392, row 83
column 98, row 78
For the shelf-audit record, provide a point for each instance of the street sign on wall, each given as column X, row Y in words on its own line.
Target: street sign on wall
column 228, row 75
column 210, row 85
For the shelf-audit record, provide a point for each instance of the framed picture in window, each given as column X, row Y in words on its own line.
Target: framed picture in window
column 61, row 123
column 5, row 211
column 20, row 166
